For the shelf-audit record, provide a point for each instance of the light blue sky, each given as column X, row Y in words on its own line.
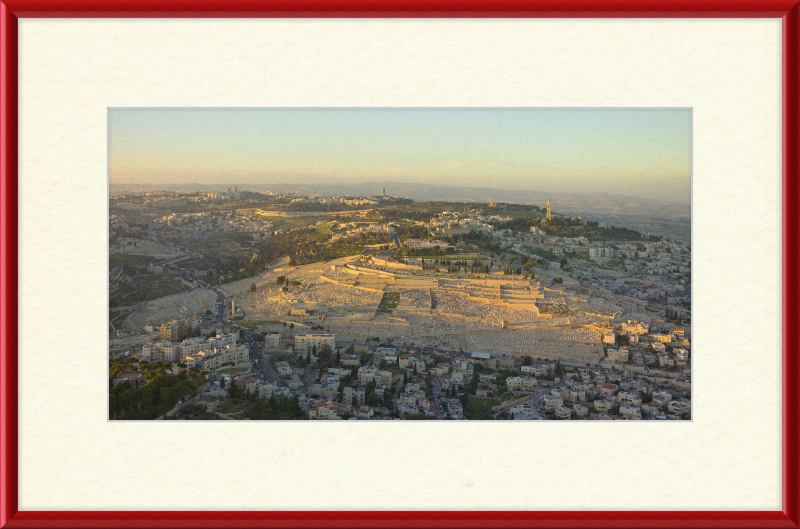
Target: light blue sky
column 636, row 152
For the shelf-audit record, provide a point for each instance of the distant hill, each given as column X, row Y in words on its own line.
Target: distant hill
column 572, row 203
column 565, row 203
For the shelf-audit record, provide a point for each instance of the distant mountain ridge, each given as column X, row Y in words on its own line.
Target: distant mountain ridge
column 565, row 203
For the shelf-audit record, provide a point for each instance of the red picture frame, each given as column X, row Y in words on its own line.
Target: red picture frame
column 12, row 10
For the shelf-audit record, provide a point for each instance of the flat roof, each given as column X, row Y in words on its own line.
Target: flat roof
column 481, row 355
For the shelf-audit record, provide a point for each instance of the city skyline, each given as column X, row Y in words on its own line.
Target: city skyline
column 637, row 152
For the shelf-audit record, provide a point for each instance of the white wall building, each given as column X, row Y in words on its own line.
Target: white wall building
column 304, row 343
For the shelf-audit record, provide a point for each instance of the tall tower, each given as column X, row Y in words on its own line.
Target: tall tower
column 465, row 210
column 491, row 201
column 384, row 192
column 548, row 209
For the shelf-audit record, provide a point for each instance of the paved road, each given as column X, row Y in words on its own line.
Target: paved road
column 222, row 307
column 263, row 368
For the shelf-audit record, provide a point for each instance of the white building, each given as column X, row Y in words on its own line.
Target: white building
column 580, row 410
column 678, row 407
column 618, row 355
column 551, row 402
column 272, row 340
column 630, row 412
column 303, row 343
column 194, row 345
column 601, row 252
column 366, row 374
column 562, row 412
column 236, row 355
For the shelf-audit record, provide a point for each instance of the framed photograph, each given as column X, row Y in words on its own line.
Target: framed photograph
column 568, row 230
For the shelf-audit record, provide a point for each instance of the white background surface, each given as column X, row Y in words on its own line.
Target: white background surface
column 728, row 457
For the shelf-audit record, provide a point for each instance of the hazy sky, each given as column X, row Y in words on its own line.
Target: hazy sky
column 643, row 153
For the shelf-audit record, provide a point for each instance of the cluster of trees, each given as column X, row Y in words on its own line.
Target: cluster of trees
column 334, row 206
column 325, row 357
column 370, row 397
column 520, row 223
column 617, row 232
column 291, row 243
column 154, row 399
column 130, row 400
column 298, row 244
column 525, row 272
column 454, row 267
column 346, row 246
column 418, row 211
column 273, row 408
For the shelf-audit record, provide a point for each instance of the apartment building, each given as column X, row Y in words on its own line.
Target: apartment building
column 618, row 355
column 679, row 407
column 514, row 383
column 562, row 412
column 607, row 390
column 580, row 410
column 366, row 374
column 323, row 411
column 304, row 343
column 175, row 330
column 353, row 396
column 267, row 390
column 191, row 346
column 551, row 402
column 237, row 355
column 631, row 398
column 272, row 340
column 630, row 412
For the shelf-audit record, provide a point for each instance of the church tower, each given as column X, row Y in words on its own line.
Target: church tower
column 548, row 209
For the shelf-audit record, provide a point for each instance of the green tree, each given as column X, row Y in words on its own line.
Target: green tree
column 473, row 384
column 325, row 354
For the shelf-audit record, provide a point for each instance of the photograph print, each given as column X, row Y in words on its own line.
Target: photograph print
column 399, row 263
